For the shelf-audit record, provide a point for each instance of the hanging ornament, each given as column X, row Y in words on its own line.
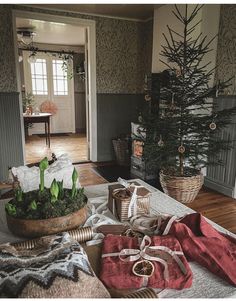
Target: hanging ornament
column 147, row 97
column 160, row 142
column 181, row 149
column 212, row 126
column 172, row 106
column 178, row 72
column 162, row 114
column 140, row 118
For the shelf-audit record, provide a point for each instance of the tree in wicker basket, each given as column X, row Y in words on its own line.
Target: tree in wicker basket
column 180, row 137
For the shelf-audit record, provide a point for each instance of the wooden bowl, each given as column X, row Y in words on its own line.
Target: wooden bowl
column 35, row 228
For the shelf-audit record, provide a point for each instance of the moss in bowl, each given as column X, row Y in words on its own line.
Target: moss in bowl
column 47, row 210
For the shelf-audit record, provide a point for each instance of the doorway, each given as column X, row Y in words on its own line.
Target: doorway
column 66, row 121
column 47, row 81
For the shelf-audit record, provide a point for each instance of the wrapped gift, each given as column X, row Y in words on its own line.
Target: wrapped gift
column 156, row 262
column 128, row 199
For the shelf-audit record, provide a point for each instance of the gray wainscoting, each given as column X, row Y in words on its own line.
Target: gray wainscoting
column 80, row 112
column 115, row 113
column 11, row 150
column 222, row 178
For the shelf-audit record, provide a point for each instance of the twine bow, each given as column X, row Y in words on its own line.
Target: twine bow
column 132, row 210
column 129, row 255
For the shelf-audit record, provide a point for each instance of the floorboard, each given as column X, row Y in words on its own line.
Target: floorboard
column 75, row 145
column 217, row 207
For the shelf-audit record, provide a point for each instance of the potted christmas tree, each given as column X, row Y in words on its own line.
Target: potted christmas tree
column 46, row 211
column 180, row 132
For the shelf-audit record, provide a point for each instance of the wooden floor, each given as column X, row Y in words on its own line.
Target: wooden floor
column 217, row 207
column 88, row 176
column 75, row 145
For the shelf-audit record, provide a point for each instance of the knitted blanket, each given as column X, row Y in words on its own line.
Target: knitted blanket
column 54, row 256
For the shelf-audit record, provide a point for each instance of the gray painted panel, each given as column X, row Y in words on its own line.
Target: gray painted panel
column 115, row 113
column 11, row 150
column 222, row 178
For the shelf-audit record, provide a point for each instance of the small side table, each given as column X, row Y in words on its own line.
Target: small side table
column 41, row 118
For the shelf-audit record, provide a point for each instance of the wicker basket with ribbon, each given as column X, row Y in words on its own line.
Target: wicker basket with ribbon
column 130, row 200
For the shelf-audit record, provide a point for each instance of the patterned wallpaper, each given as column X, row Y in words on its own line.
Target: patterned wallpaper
column 8, row 81
column 121, row 51
column 226, row 52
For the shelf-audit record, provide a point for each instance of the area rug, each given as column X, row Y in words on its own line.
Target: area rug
column 112, row 172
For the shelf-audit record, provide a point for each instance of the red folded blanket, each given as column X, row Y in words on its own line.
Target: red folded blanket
column 202, row 243
column 156, row 262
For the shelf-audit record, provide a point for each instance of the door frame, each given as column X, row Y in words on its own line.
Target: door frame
column 92, row 97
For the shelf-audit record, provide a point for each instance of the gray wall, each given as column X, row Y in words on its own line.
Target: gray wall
column 115, row 113
column 80, row 104
column 8, row 81
column 226, row 50
column 10, row 133
column 222, row 177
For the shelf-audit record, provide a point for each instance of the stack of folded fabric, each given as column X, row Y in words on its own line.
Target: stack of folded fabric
column 156, row 262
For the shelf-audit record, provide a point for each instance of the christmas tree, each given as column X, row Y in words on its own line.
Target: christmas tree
column 180, row 132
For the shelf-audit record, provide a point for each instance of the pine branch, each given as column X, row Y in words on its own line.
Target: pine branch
column 166, row 64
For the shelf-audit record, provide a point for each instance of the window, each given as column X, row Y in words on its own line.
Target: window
column 60, row 84
column 39, row 77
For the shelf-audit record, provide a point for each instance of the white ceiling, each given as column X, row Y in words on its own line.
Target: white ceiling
column 132, row 11
column 54, row 33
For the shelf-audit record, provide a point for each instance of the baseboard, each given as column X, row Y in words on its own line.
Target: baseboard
column 229, row 191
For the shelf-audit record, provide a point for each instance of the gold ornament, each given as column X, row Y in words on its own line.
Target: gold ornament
column 212, row 126
column 177, row 72
column 181, row 149
column 172, row 106
column 147, row 97
column 160, row 142
column 162, row 114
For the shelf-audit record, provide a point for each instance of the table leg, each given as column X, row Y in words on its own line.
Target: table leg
column 26, row 130
column 49, row 132
column 46, row 133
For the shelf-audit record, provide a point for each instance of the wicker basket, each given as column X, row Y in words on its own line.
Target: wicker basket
column 122, row 151
column 183, row 189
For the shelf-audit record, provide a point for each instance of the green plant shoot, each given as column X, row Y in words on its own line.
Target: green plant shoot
column 43, row 165
column 74, row 181
column 19, row 194
column 54, row 189
column 33, row 205
column 61, row 190
column 11, row 209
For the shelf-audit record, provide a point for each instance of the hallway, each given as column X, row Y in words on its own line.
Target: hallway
column 75, row 145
